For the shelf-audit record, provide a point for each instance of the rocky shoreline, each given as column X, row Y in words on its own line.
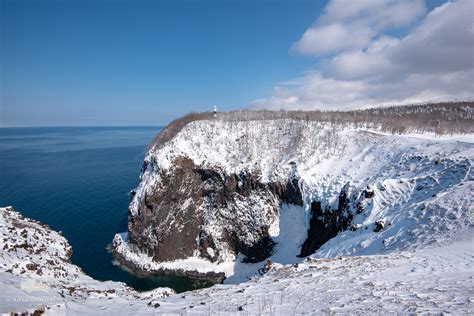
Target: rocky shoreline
column 138, row 270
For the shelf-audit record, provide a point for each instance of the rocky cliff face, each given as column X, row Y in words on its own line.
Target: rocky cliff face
column 211, row 196
column 182, row 205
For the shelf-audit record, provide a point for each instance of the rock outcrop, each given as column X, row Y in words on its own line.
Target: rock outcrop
column 178, row 206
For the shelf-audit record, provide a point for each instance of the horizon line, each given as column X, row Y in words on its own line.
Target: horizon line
column 63, row 126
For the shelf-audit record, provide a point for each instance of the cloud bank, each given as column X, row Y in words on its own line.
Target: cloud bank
column 361, row 65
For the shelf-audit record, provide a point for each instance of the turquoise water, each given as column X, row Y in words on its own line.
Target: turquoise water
column 77, row 179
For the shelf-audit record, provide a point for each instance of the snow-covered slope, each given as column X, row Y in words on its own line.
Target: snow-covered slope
column 364, row 191
column 37, row 276
column 437, row 279
column 431, row 281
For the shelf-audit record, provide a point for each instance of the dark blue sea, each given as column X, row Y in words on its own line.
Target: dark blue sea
column 77, row 180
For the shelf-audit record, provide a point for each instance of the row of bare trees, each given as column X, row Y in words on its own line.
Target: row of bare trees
column 438, row 118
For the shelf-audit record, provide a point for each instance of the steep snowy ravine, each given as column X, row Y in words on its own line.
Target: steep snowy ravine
column 259, row 183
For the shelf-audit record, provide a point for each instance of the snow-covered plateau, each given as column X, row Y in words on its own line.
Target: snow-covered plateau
column 353, row 220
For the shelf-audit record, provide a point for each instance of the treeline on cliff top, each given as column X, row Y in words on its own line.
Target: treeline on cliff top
column 440, row 118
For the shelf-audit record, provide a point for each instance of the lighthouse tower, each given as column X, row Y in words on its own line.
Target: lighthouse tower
column 215, row 109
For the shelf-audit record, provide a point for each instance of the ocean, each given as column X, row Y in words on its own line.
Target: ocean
column 77, row 180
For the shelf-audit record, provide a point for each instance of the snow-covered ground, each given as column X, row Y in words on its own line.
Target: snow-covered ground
column 36, row 274
column 435, row 280
column 430, row 280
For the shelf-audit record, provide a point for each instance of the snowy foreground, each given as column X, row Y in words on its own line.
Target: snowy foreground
column 431, row 280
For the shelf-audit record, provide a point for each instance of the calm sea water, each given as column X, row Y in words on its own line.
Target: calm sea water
column 77, row 179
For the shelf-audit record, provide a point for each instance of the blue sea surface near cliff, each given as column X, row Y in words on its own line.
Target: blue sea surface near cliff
column 77, row 180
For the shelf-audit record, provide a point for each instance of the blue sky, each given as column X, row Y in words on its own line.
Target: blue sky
column 143, row 62
column 147, row 62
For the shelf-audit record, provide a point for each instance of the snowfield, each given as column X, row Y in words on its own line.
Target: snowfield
column 409, row 248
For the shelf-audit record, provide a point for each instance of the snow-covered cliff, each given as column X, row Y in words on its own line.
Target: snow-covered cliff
column 224, row 194
column 386, row 220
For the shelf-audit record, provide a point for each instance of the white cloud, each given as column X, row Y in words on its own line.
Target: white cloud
column 332, row 38
column 361, row 64
column 443, row 43
column 353, row 24
column 434, row 62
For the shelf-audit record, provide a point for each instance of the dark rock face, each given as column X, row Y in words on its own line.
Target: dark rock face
column 326, row 223
column 258, row 252
column 159, row 231
column 289, row 193
column 171, row 216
